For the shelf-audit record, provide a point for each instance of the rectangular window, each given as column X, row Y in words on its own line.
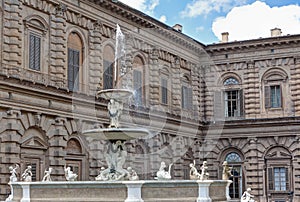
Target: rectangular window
column 233, row 103
column 187, row 97
column 273, row 96
column 137, row 85
column 34, row 52
column 278, row 178
column 164, row 91
column 73, row 69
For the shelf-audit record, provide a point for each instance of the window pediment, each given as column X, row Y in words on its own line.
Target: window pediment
column 35, row 142
column 36, row 22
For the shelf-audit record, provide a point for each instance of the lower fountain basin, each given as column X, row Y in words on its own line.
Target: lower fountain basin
column 122, row 134
column 122, row 191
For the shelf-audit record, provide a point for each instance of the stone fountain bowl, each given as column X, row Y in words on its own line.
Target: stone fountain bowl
column 116, row 94
column 115, row 134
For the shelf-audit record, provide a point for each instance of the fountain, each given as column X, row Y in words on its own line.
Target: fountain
column 115, row 183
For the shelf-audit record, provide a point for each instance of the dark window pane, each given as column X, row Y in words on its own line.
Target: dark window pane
column 34, row 52
column 164, row 91
column 73, row 69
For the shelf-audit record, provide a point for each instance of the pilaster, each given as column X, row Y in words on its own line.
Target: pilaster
column 9, row 147
column 294, row 83
column 96, row 60
column 176, row 86
column 196, row 91
column 58, row 46
column 251, row 91
column 57, row 142
column 154, row 77
column 12, row 36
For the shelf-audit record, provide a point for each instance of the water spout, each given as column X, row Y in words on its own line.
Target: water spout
column 119, row 54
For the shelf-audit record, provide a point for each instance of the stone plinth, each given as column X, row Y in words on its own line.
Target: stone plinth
column 122, row 191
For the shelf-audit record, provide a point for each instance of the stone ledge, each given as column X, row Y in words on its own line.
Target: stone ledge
column 127, row 191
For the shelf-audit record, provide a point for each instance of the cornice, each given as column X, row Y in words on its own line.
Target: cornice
column 254, row 43
column 144, row 21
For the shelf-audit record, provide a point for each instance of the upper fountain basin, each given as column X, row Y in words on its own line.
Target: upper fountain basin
column 116, row 94
column 117, row 133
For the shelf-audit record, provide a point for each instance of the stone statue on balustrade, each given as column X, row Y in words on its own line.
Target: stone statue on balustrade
column 70, row 176
column 13, row 173
column 132, row 175
column 27, row 174
column 226, row 171
column 247, row 197
column 162, row 174
column 47, row 176
column 204, row 174
column 194, row 174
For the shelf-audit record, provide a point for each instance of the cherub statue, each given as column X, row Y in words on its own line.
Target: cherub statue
column 101, row 176
column 13, row 173
column 162, row 174
column 204, row 174
column 132, row 175
column 247, row 197
column 27, row 174
column 226, row 171
column 70, row 176
column 47, row 177
column 115, row 109
column 194, row 174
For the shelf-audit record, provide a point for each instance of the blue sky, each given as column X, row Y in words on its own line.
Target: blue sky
column 205, row 20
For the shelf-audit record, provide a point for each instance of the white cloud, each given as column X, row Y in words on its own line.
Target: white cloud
column 256, row 20
column 200, row 29
column 163, row 18
column 203, row 7
column 146, row 6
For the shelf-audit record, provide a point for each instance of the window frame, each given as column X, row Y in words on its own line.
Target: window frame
column 36, row 26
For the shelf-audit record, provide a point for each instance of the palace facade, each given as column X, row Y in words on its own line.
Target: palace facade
column 230, row 101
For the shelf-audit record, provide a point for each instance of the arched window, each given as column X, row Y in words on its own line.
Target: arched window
column 138, row 80
column 228, row 102
column 75, row 58
column 231, row 81
column 235, row 161
column 108, row 67
column 164, row 86
column 186, row 94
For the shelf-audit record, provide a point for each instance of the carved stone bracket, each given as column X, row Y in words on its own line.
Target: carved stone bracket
column 60, row 10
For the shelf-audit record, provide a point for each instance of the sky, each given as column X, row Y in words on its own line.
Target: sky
column 205, row 20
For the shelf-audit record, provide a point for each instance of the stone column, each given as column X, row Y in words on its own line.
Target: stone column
column 58, row 136
column 58, row 46
column 12, row 36
column 96, row 60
